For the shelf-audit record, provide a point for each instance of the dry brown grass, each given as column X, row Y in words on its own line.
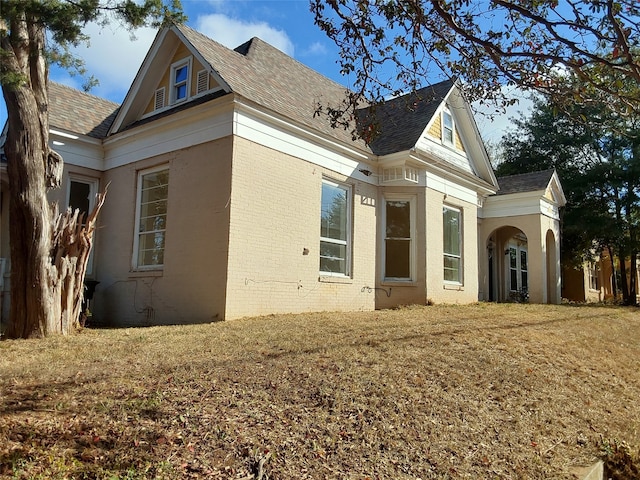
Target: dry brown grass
column 481, row 391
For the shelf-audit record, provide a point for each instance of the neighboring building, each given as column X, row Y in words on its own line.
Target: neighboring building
column 229, row 197
column 594, row 280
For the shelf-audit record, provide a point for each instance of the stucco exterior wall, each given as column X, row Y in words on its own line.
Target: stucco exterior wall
column 275, row 215
column 190, row 287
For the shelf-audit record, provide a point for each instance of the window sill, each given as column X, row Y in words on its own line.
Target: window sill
column 453, row 286
column 336, row 279
column 145, row 273
column 399, row 283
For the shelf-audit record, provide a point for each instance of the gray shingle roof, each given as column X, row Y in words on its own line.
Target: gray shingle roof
column 263, row 74
column 525, row 182
column 76, row 111
column 402, row 120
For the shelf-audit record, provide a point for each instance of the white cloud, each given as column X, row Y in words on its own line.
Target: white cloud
column 112, row 57
column 232, row 32
column 492, row 130
column 316, row 49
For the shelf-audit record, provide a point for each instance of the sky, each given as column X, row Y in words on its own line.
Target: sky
column 113, row 58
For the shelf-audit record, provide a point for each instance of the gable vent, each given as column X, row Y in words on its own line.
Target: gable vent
column 159, row 99
column 203, row 81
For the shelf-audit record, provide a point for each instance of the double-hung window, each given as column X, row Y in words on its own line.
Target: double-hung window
column 518, row 269
column 452, row 244
column 151, row 218
column 335, row 229
column 398, row 241
column 180, row 77
column 447, row 128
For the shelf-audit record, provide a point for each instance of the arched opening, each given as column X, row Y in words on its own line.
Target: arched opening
column 553, row 279
column 508, row 265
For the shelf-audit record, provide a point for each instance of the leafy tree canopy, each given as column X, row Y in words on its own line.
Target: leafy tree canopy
column 598, row 161
column 391, row 47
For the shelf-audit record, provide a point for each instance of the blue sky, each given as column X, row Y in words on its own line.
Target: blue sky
column 113, row 58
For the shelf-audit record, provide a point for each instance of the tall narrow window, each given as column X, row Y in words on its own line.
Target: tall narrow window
column 335, row 229
column 180, row 80
column 518, row 269
column 447, row 128
column 153, row 191
column 398, row 239
column 452, row 242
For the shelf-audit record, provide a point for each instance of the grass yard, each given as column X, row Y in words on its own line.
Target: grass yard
column 442, row 392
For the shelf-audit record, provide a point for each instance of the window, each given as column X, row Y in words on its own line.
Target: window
column 180, row 80
column 398, row 242
column 335, row 229
column 82, row 195
column 518, row 269
column 452, row 244
column 151, row 218
column 447, row 128
column 594, row 284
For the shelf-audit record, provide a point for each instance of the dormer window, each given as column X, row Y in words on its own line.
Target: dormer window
column 180, row 76
column 447, row 128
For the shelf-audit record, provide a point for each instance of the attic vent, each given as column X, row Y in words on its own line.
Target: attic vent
column 203, row 81
column 159, row 99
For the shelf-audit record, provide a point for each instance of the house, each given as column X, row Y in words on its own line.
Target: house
column 596, row 280
column 229, row 197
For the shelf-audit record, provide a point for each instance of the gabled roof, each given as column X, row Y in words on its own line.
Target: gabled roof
column 263, row 74
column 402, row 120
column 525, row 182
column 79, row 112
column 542, row 181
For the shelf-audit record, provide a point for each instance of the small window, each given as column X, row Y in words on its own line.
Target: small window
column 398, row 241
column 180, row 80
column 151, row 218
column 335, row 228
column 448, row 134
column 452, row 242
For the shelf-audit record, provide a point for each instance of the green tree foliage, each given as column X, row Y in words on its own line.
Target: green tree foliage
column 391, row 47
column 598, row 161
column 49, row 251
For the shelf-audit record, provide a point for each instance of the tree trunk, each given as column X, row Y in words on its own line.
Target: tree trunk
column 624, row 284
column 49, row 252
column 633, row 280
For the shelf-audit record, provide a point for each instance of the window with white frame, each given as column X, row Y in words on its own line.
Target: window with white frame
column 594, row 284
column 452, row 244
column 335, row 229
column 398, row 242
column 448, row 128
column 518, row 269
column 180, row 78
column 81, row 195
column 151, row 218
